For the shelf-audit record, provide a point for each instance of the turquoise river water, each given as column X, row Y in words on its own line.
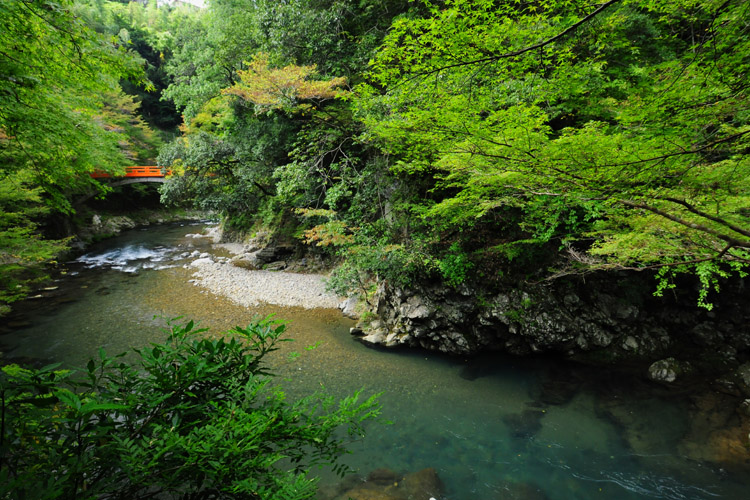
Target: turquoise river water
column 493, row 427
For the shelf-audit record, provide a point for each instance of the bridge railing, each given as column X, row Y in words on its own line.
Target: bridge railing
column 141, row 171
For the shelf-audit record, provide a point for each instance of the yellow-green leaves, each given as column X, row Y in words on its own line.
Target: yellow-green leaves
column 283, row 88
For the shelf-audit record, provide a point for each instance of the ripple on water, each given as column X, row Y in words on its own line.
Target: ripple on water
column 130, row 258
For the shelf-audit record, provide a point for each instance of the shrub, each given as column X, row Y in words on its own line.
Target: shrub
column 194, row 417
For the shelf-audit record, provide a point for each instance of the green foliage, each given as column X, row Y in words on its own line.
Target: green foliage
column 144, row 28
column 338, row 36
column 208, row 47
column 369, row 260
column 193, row 417
column 137, row 142
column 23, row 252
column 610, row 124
column 62, row 116
column 455, row 266
column 51, row 100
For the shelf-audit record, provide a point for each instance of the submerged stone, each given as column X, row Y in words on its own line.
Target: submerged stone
column 386, row 484
column 521, row 491
column 526, row 424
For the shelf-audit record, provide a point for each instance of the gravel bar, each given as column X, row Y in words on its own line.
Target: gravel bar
column 251, row 288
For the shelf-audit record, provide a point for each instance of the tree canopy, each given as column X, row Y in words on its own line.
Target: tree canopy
column 607, row 135
column 619, row 130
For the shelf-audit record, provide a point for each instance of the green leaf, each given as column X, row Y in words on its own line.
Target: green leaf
column 69, row 398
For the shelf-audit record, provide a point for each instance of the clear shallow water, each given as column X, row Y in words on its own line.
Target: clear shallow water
column 493, row 427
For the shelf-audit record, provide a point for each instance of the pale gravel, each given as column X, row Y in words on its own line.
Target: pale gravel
column 251, row 288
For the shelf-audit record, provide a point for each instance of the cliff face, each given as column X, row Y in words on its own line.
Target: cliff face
column 604, row 318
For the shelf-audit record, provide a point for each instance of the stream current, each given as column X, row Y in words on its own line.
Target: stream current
column 493, row 427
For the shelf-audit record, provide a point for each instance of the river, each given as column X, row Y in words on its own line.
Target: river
column 493, row 427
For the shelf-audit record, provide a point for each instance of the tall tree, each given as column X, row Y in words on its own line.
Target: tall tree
column 55, row 71
column 56, row 74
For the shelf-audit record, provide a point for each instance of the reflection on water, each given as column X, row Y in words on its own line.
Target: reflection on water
column 493, row 427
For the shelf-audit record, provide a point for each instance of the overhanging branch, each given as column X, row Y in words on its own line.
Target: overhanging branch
column 705, row 215
column 515, row 53
column 733, row 242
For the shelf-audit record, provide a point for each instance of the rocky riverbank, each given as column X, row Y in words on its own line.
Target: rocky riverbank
column 607, row 319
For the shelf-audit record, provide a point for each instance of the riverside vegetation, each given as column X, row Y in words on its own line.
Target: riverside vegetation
column 193, row 417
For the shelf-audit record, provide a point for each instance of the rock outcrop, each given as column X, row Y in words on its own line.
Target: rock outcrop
column 602, row 319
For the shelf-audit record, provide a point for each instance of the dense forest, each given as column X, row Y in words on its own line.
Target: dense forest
column 447, row 140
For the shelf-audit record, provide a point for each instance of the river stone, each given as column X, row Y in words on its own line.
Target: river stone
column 521, row 491
column 392, row 340
column 348, row 307
column 742, row 379
column 266, row 255
column 377, row 337
column 667, row 370
column 558, row 391
column 386, row 484
column 247, row 261
column 744, row 408
column 422, row 485
column 201, row 262
column 415, row 308
column 630, row 343
column 626, row 311
column 706, row 334
column 383, row 477
column 526, row 424
column 275, row 266
column 364, row 493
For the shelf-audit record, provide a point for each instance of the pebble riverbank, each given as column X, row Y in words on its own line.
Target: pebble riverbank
column 246, row 287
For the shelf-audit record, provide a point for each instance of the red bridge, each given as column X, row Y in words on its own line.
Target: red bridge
column 135, row 174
